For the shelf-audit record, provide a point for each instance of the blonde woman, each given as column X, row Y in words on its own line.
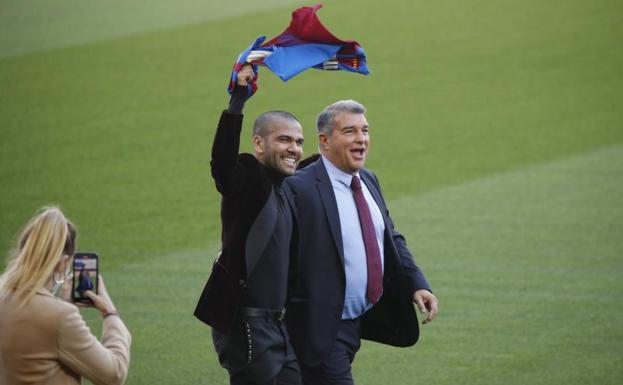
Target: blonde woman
column 43, row 338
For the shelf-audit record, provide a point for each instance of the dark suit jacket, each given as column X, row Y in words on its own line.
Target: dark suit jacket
column 317, row 293
column 248, row 215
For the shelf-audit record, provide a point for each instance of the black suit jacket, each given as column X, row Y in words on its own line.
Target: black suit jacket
column 316, row 297
column 248, row 215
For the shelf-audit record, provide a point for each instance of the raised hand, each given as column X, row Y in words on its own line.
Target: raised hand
column 245, row 75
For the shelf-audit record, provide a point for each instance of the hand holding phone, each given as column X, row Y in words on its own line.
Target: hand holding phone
column 85, row 276
column 88, row 287
column 101, row 301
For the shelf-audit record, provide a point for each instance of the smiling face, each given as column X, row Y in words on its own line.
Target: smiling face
column 347, row 144
column 281, row 146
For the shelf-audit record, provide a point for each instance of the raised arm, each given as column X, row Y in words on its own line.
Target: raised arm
column 104, row 362
column 226, row 171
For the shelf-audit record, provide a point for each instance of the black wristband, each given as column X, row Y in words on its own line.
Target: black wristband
column 110, row 313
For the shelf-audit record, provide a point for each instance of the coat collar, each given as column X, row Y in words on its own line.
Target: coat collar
column 45, row 292
column 325, row 189
column 335, row 174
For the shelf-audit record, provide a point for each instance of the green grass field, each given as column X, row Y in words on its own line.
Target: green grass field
column 497, row 134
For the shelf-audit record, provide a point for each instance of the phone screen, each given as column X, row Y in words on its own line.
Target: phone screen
column 85, row 276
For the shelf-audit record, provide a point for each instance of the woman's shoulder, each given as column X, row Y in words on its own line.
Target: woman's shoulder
column 42, row 315
column 52, row 308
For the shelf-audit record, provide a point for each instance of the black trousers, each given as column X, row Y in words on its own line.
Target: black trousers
column 336, row 367
column 257, row 351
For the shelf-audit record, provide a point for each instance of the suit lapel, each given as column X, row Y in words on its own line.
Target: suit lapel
column 290, row 201
column 374, row 189
column 325, row 189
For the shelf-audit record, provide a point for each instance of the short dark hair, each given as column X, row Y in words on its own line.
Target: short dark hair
column 262, row 123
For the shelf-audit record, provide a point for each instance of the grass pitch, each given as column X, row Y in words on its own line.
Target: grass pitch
column 497, row 135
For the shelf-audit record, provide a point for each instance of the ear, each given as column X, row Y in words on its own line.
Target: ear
column 258, row 144
column 323, row 141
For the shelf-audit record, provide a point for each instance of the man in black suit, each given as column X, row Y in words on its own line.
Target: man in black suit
column 244, row 298
column 355, row 276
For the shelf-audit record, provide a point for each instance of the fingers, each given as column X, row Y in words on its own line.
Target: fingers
column 420, row 304
column 428, row 304
column 245, row 75
column 102, row 300
column 90, row 295
column 99, row 302
column 432, row 306
column 433, row 309
column 100, row 284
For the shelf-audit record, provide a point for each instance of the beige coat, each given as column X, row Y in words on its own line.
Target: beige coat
column 48, row 342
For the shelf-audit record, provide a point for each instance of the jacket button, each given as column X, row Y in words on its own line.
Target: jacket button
column 243, row 283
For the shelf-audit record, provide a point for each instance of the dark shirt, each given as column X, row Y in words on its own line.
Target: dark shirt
column 268, row 283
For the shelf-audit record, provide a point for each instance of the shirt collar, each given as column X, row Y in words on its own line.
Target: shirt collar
column 337, row 175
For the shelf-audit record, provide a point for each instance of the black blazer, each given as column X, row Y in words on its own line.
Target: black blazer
column 316, row 297
column 248, row 215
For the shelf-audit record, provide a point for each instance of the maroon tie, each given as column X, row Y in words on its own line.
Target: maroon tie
column 373, row 255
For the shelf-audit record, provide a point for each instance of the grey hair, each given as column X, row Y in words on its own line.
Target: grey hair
column 326, row 117
column 262, row 124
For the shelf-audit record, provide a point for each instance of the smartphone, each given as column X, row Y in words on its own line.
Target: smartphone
column 85, row 273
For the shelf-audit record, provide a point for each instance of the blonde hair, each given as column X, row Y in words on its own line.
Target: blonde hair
column 43, row 241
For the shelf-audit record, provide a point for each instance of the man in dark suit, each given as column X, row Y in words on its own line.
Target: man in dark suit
column 244, row 298
column 355, row 276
